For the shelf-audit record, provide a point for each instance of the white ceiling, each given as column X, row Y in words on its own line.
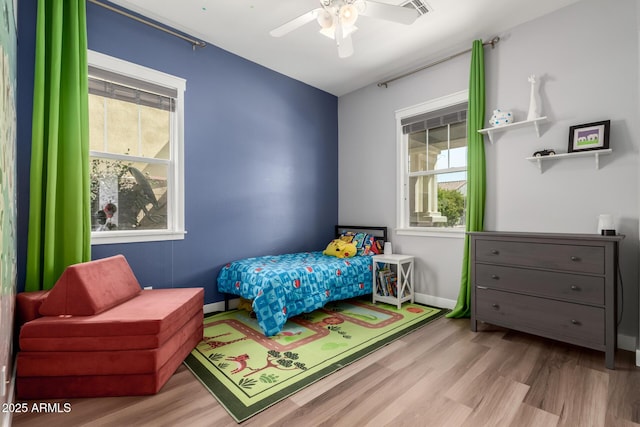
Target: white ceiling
column 382, row 49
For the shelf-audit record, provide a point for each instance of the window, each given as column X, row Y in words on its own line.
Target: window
column 136, row 146
column 432, row 155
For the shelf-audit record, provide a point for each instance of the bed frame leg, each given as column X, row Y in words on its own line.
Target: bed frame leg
column 226, row 302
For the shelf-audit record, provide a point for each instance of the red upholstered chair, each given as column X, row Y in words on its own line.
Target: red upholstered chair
column 97, row 333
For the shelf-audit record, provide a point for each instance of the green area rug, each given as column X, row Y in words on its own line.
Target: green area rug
column 248, row 372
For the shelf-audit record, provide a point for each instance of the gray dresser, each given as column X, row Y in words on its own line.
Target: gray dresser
column 559, row 286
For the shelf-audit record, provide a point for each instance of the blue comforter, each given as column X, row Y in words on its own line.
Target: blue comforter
column 284, row 286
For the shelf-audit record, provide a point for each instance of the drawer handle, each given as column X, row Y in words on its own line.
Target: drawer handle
column 575, row 287
column 495, row 277
column 575, row 258
column 495, row 306
column 495, row 252
column 575, row 322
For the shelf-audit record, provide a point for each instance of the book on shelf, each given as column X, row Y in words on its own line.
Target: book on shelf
column 380, row 288
column 387, row 283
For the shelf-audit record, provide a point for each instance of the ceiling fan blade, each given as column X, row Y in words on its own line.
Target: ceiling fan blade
column 295, row 23
column 344, row 42
column 345, row 48
column 402, row 15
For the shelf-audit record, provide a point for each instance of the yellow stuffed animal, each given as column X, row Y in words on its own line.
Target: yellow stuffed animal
column 340, row 248
column 247, row 304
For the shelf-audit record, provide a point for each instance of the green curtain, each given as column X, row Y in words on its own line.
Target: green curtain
column 476, row 176
column 59, row 207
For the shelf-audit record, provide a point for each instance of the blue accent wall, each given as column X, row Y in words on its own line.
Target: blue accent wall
column 261, row 154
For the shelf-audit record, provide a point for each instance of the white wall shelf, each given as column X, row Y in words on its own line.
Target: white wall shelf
column 595, row 153
column 535, row 123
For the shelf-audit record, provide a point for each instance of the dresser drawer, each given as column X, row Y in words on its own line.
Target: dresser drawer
column 574, row 323
column 584, row 259
column 567, row 286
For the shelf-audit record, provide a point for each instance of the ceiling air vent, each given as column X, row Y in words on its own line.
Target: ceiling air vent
column 419, row 5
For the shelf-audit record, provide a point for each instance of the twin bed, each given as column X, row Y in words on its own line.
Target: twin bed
column 283, row 286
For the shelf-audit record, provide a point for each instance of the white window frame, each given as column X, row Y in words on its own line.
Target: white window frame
column 402, row 205
column 175, row 210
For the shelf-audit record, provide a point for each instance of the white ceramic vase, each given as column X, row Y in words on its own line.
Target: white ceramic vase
column 534, row 109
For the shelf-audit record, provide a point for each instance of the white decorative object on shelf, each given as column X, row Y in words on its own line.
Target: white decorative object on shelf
column 501, row 118
column 534, row 111
column 534, row 123
column 594, row 153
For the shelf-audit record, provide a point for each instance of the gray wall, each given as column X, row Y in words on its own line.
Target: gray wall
column 586, row 57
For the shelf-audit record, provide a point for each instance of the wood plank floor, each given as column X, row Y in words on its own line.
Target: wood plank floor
column 440, row 375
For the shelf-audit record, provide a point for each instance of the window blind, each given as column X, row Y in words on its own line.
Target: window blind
column 444, row 116
column 115, row 86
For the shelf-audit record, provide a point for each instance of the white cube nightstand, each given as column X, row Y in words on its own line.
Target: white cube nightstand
column 393, row 278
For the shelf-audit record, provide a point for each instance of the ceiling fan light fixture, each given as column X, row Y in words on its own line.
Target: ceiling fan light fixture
column 325, row 19
column 331, row 32
column 348, row 15
column 337, row 19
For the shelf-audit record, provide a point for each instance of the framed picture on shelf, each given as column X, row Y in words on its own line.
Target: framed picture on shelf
column 590, row 136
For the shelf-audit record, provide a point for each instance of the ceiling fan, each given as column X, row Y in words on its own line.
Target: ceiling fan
column 337, row 19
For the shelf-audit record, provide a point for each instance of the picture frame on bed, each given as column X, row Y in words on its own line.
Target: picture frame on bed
column 589, row 136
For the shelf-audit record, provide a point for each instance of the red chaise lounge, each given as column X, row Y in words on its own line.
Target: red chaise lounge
column 97, row 333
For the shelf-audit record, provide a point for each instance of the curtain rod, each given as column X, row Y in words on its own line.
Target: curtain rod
column 193, row 42
column 493, row 42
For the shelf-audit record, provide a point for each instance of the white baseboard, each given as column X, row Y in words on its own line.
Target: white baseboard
column 435, row 301
column 219, row 306
column 626, row 342
column 419, row 298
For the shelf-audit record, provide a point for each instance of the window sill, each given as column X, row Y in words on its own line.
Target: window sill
column 427, row 232
column 113, row 237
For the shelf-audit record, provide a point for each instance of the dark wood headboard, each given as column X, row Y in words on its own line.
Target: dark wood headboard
column 378, row 232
